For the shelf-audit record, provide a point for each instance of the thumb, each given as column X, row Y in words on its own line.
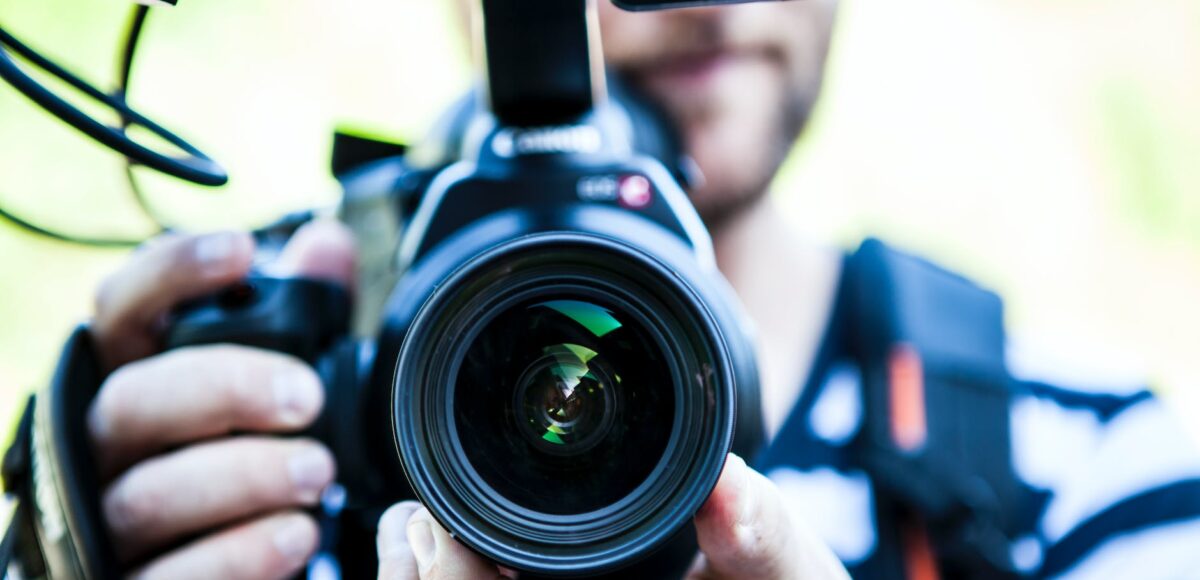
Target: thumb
column 412, row 545
column 322, row 249
column 396, row 560
column 132, row 302
column 745, row 531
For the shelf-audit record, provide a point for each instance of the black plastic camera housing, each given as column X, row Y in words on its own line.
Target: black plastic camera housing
column 614, row 234
column 561, row 370
column 559, row 247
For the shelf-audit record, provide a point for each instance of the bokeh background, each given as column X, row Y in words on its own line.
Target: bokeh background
column 1050, row 150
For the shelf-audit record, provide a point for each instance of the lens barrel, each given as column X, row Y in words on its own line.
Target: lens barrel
column 564, row 403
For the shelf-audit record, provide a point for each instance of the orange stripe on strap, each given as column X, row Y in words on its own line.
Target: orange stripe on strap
column 919, row 560
column 906, row 382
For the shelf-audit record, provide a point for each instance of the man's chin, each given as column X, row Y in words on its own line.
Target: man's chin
column 720, row 206
column 738, row 153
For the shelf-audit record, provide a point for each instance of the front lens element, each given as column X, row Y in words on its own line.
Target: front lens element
column 564, row 405
column 565, row 400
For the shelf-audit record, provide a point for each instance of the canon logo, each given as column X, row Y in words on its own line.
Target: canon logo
column 544, row 140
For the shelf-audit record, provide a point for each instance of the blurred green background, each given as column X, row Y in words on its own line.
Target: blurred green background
column 1048, row 149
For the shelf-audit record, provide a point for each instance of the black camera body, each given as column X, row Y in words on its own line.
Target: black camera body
column 560, row 367
column 559, row 371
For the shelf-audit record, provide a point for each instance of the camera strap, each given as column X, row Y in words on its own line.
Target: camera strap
column 57, row 530
column 15, row 458
column 935, row 438
column 7, row 546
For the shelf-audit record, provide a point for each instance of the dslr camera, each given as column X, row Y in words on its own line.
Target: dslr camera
column 557, row 370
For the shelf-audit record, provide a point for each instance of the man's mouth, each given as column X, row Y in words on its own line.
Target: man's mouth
column 694, row 71
column 689, row 69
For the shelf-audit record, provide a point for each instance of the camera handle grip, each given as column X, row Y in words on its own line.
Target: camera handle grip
column 305, row 318
column 298, row 316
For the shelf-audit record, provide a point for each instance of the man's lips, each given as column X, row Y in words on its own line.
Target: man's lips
column 687, row 69
column 698, row 70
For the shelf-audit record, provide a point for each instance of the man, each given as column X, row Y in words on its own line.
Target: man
column 202, row 485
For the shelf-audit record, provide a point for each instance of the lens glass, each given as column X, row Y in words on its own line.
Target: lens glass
column 563, row 405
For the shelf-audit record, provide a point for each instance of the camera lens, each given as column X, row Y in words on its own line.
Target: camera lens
column 563, row 403
column 564, row 406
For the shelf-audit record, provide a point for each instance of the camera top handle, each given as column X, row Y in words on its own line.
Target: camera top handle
column 543, row 61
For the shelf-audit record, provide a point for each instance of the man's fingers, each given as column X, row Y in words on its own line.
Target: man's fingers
column 745, row 531
column 441, row 557
column 412, row 546
column 196, row 393
column 201, row 487
column 396, row 559
column 741, row 534
column 132, row 302
column 323, row 249
column 276, row 546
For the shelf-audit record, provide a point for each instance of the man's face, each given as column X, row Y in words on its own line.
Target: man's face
column 738, row 81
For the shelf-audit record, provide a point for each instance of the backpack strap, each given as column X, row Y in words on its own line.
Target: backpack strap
column 935, row 435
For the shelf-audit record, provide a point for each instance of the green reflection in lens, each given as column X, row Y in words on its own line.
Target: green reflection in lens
column 597, row 320
column 584, row 353
column 570, row 368
column 570, row 363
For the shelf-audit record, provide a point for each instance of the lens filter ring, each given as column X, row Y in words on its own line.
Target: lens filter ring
column 522, row 332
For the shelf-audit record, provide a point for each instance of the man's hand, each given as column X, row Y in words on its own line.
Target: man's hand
column 200, row 485
column 744, row 530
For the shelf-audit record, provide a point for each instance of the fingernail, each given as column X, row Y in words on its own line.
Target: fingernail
column 311, row 469
column 297, row 396
column 739, row 465
column 294, row 539
column 216, row 248
column 739, row 479
column 420, row 538
column 737, row 470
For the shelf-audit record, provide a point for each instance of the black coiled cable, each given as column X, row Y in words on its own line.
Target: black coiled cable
column 193, row 166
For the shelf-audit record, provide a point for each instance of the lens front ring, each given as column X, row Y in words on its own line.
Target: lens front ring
column 582, row 542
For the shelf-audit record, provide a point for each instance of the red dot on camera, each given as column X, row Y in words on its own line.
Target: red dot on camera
column 635, row 191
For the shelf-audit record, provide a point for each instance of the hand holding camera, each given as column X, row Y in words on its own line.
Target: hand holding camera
column 559, row 373
column 200, row 488
column 200, row 483
column 744, row 529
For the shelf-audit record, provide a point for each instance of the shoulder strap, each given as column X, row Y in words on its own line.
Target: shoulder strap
column 16, row 491
column 8, row 544
column 936, row 407
column 50, row 469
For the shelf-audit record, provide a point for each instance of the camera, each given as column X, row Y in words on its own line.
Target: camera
column 558, row 372
column 559, row 366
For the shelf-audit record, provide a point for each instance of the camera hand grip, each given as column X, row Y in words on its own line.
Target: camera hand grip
column 298, row 316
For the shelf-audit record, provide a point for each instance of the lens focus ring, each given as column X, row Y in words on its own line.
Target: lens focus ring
column 563, row 404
